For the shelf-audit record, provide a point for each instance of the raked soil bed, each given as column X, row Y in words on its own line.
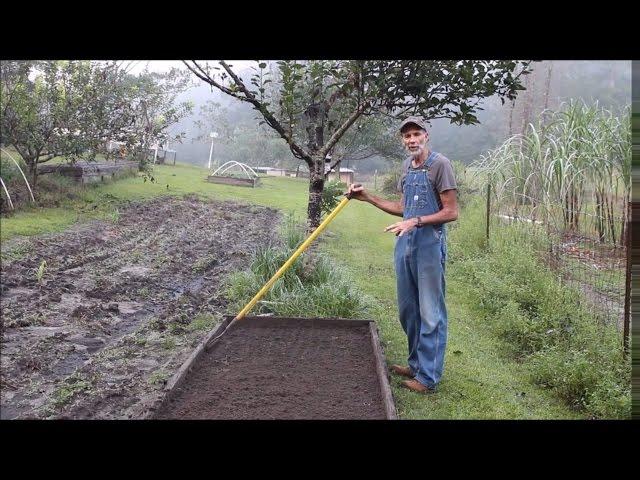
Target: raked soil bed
column 284, row 368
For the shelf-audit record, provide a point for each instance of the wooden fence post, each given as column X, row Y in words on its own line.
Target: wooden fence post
column 627, row 283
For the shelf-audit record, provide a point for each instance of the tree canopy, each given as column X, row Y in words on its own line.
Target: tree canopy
column 311, row 104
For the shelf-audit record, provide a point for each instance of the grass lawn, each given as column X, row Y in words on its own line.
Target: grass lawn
column 479, row 381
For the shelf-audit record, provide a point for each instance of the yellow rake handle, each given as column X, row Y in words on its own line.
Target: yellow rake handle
column 293, row 257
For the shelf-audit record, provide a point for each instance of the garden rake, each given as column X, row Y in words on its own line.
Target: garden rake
column 284, row 267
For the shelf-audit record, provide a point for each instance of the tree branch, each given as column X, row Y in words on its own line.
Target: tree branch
column 340, row 131
column 334, row 165
column 361, row 154
column 204, row 76
column 268, row 116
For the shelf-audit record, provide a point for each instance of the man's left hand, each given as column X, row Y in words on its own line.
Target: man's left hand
column 400, row 228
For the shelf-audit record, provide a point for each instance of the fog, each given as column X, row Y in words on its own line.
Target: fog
column 607, row 82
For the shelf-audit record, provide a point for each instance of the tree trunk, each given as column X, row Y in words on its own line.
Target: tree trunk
column 528, row 104
column 576, row 209
column 624, row 225
column 612, row 225
column 316, row 186
column 33, row 166
column 513, row 107
column 547, row 92
column 567, row 210
column 547, row 89
column 599, row 217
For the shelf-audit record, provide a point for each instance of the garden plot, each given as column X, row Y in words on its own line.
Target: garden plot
column 97, row 330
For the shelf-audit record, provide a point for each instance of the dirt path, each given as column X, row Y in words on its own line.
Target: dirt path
column 119, row 307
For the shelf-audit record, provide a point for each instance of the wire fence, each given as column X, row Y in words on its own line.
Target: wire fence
column 587, row 248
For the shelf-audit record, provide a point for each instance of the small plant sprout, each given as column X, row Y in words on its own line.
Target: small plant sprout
column 40, row 271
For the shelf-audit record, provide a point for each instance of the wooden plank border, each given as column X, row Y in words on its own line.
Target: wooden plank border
column 178, row 378
column 381, row 367
column 383, row 374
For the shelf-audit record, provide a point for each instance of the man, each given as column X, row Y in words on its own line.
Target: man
column 428, row 201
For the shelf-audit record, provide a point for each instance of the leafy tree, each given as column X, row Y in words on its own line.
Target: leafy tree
column 43, row 109
column 312, row 104
column 73, row 108
column 152, row 108
column 373, row 135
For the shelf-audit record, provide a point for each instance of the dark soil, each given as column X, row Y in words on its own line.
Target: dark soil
column 120, row 305
column 282, row 369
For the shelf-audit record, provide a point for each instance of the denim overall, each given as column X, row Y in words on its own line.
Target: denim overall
column 419, row 262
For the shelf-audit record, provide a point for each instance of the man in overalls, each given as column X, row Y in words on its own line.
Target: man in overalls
column 428, row 201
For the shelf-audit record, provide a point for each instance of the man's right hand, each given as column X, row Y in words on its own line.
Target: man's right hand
column 357, row 191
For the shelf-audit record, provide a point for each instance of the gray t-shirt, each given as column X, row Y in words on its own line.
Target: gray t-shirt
column 441, row 175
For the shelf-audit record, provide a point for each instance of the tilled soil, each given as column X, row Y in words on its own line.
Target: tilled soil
column 261, row 369
column 119, row 306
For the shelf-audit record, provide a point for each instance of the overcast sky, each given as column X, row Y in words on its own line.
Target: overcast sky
column 166, row 65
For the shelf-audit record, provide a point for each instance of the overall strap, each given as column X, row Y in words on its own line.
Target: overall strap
column 431, row 158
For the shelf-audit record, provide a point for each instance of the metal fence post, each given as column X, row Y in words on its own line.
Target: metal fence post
column 627, row 283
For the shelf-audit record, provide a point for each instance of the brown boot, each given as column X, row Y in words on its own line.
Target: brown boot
column 400, row 370
column 415, row 386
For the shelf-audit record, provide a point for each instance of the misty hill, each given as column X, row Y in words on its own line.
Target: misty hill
column 551, row 83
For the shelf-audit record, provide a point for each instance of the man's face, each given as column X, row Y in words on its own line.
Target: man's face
column 415, row 140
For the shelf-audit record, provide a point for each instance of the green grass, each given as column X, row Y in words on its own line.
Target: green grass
column 16, row 251
column 203, row 322
column 317, row 288
column 279, row 192
column 35, row 221
column 480, row 381
column 169, row 343
column 69, row 388
column 159, row 377
column 100, row 201
column 544, row 323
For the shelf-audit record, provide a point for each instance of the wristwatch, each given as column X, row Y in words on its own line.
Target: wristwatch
column 419, row 224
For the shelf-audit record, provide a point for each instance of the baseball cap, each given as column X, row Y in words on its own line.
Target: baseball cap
column 418, row 121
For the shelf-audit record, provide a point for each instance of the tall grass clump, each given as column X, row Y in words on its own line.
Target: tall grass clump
column 541, row 320
column 571, row 170
column 467, row 239
column 311, row 287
